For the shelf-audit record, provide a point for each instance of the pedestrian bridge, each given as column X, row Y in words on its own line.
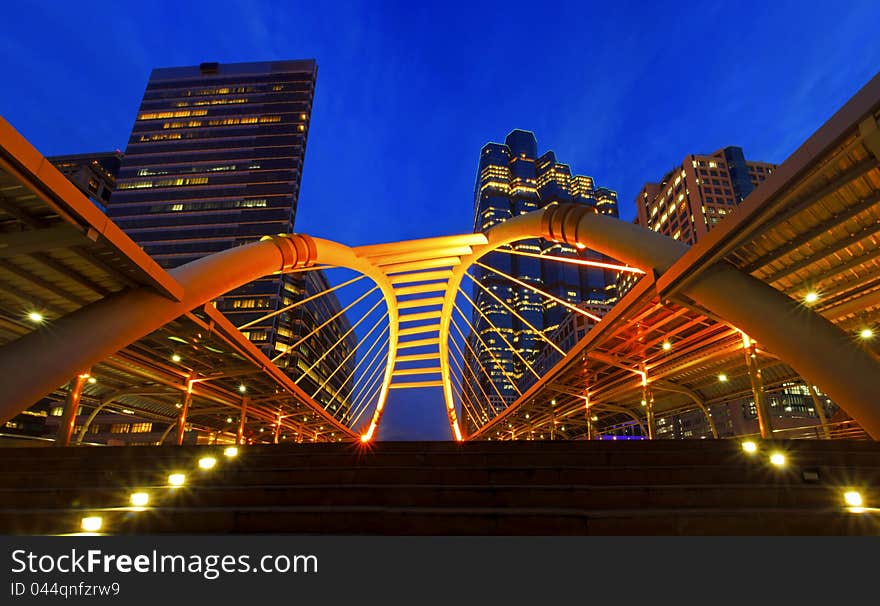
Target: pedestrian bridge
column 120, row 333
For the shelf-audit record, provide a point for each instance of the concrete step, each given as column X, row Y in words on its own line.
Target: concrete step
column 461, row 521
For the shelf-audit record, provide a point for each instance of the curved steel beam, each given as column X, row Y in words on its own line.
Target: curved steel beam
column 667, row 385
column 809, row 343
column 100, row 329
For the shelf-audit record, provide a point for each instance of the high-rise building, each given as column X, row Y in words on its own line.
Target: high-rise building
column 214, row 161
column 511, row 180
column 690, row 199
column 94, row 174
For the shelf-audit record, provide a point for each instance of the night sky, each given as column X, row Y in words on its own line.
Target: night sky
column 406, row 94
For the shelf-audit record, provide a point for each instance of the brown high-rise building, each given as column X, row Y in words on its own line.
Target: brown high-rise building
column 690, row 199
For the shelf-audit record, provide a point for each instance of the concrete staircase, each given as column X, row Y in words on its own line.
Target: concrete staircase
column 439, row 488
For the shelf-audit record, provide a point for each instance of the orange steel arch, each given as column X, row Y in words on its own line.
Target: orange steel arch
column 808, row 342
column 87, row 336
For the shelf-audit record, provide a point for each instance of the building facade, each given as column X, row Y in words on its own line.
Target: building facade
column 214, row 161
column 691, row 198
column 94, row 174
column 512, row 179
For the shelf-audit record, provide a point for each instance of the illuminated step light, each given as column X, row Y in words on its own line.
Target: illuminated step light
column 722, row 377
column 749, row 446
column 777, row 459
column 140, row 499
column 35, row 317
column 866, row 333
column 175, row 358
column 811, row 297
column 231, row 451
column 207, row 462
column 667, row 345
column 177, row 479
column 853, row 498
column 92, row 523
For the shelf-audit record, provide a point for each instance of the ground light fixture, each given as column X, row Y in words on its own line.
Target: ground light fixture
column 140, row 499
column 749, row 447
column 777, row 459
column 207, row 463
column 230, row 451
column 177, row 479
column 92, row 523
column 853, row 498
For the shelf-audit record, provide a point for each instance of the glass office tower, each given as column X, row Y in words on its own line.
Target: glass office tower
column 214, row 161
column 513, row 179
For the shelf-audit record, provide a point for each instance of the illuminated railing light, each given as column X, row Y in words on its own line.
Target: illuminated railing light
column 92, row 523
column 140, row 499
column 230, row 451
column 853, row 498
column 177, row 479
column 207, row 462
column 777, row 459
column 749, row 446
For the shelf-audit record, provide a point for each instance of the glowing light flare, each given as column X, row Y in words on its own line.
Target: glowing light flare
column 207, row 462
column 811, row 297
column 242, row 388
column 667, row 346
column 35, row 317
column 853, row 498
column 230, row 451
column 777, row 459
column 749, row 447
column 92, row 380
column 177, row 479
column 175, row 358
column 140, row 499
column 866, row 333
column 92, row 523
column 722, row 378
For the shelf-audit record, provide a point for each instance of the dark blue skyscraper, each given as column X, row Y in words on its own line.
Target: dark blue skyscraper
column 512, row 180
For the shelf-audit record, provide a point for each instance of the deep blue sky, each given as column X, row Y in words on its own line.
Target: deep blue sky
column 407, row 94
